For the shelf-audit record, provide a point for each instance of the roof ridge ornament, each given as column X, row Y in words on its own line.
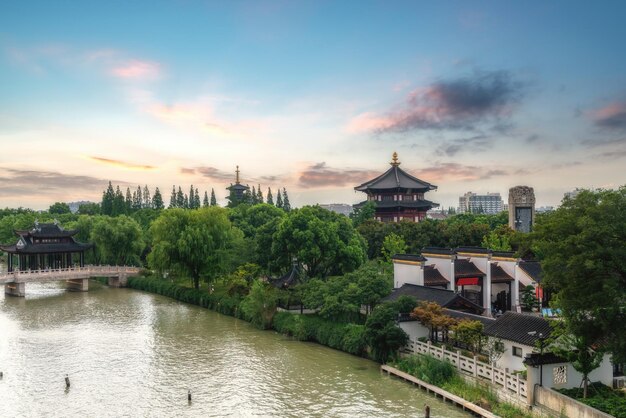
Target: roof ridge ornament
column 237, row 177
column 394, row 160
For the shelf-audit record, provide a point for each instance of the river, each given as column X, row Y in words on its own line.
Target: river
column 134, row 354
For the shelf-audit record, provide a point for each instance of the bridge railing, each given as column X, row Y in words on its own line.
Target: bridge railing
column 71, row 271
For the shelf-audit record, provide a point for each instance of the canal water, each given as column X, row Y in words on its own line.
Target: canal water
column 133, row 354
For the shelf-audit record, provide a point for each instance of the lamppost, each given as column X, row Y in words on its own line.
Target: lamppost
column 541, row 340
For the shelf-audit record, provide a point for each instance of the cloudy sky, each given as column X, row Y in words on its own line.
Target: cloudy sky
column 313, row 96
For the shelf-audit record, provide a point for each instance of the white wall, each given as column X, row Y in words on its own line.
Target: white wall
column 603, row 374
column 407, row 273
column 508, row 360
column 414, row 329
column 445, row 267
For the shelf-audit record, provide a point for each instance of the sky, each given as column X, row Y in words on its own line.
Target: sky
column 311, row 96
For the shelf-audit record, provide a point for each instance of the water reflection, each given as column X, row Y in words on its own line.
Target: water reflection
column 130, row 353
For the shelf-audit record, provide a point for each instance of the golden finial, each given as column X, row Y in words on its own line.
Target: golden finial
column 394, row 161
column 237, row 179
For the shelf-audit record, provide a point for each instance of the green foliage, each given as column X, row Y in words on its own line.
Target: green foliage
column 59, row 208
column 118, row 240
column 427, row 368
column 259, row 306
column 469, row 333
column 89, row 209
column 529, row 299
column 345, row 337
column 382, row 335
column 498, row 239
column 157, row 200
column 601, row 397
column 323, row 241
column 196, row 244
column 363, row 213
column 581, row 245
column 392, row 245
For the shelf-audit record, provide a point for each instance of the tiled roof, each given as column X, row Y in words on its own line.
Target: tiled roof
column 533, row 269
column 516, row 327
column 472, row 317
column 464, row 268
column 504, row 254
column 288, row 280
column 46, row 231
column 62, row 247
column 535, row 359
column 475, row 250
column 498, row 275
column 395, row 178
column 408, row 257
column 437, row 250
column 442, row 297
column 432, row 277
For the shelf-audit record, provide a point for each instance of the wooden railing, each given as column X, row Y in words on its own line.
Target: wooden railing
column 473, row 367
column 67, row 273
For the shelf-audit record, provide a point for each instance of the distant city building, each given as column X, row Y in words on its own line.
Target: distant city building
column 398, row 195
column 75, row 205
column 340, row 208
column 490, row 203
column 521, row 208
column 572, row 194
column 439, row 214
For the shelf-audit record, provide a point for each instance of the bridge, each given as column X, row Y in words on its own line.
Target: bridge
column 77, row 278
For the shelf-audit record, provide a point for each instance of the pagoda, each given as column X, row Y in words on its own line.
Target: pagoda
column 46, row 246
column 397, row 194
column 236, row 190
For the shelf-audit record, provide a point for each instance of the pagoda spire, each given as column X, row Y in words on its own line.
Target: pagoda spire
column 394, row 160
column 237, row 175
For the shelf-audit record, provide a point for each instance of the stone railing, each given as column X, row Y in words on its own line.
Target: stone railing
column 67, row 273
column 511, row 382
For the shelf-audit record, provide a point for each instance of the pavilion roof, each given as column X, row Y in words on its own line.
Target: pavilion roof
column 444, row 298
column 60, row 247
column 395, row 178
column 46, row 230
column 238, row 186
column 417, row 204
column 498, row 275
column 464, row 268
column 432, row 277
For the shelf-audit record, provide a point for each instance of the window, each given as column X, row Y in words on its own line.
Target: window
column 559, row 375
column 517, row 351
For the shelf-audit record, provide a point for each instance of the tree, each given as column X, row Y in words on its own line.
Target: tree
column 197, row 244
column 147, row 200
column 192, row 199
column 213, row 199
column 119, row 204
column 583, row 257
column 499, row 239
column 254, row 197
column 431, row 315
column 392, row 245
column 196, row 199
column 279, row 200
column 118, row 240
column 260, row 304
column 89, row 209
column 529, row 300
column 270, row 199
column 180, row 198
column 469, row 333
column 138, row 202
column 157, row 200
column 286, row 204
column 128, row 202
column 323, row 241
column 363, row 213
column 173, row 198
column 107, row 200
column 382, row 335
column 186, row 201
column 494, row 347
column 259, row 194
column 205, row 201
column 59, row 208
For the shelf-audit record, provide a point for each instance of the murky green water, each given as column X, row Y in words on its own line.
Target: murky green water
column 134, row 354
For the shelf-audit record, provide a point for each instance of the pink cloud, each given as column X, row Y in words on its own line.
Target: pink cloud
column 136, row 69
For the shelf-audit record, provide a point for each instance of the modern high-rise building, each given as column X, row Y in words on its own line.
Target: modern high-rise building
column 490, row 203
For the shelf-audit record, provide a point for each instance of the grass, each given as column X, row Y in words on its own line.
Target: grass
column 444, row 375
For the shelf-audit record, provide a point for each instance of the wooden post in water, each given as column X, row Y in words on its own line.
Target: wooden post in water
column 189, row 395
column 67, row 382
column 426, row 411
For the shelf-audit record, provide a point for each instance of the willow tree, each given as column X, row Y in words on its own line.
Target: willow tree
column 198, row 244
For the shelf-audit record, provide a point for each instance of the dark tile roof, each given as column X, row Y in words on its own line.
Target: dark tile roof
column 432, row 277
column 464, row 268
column 402, row 204
column 395, row 178
column 443, row 297
column 475, row 250
column 408, row 257
column 238, row 186
column 515, row 327
column 533, row 269
column 536, row 359
column 62, row 247
column 46, row 230
column 503, row 254
column 472, row 317
column 290, row 279
column 437, row 250
column 498, row 275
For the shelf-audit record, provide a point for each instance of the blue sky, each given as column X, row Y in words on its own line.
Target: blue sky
column 312, row 96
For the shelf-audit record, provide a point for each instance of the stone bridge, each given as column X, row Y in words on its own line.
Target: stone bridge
column 77, row 278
